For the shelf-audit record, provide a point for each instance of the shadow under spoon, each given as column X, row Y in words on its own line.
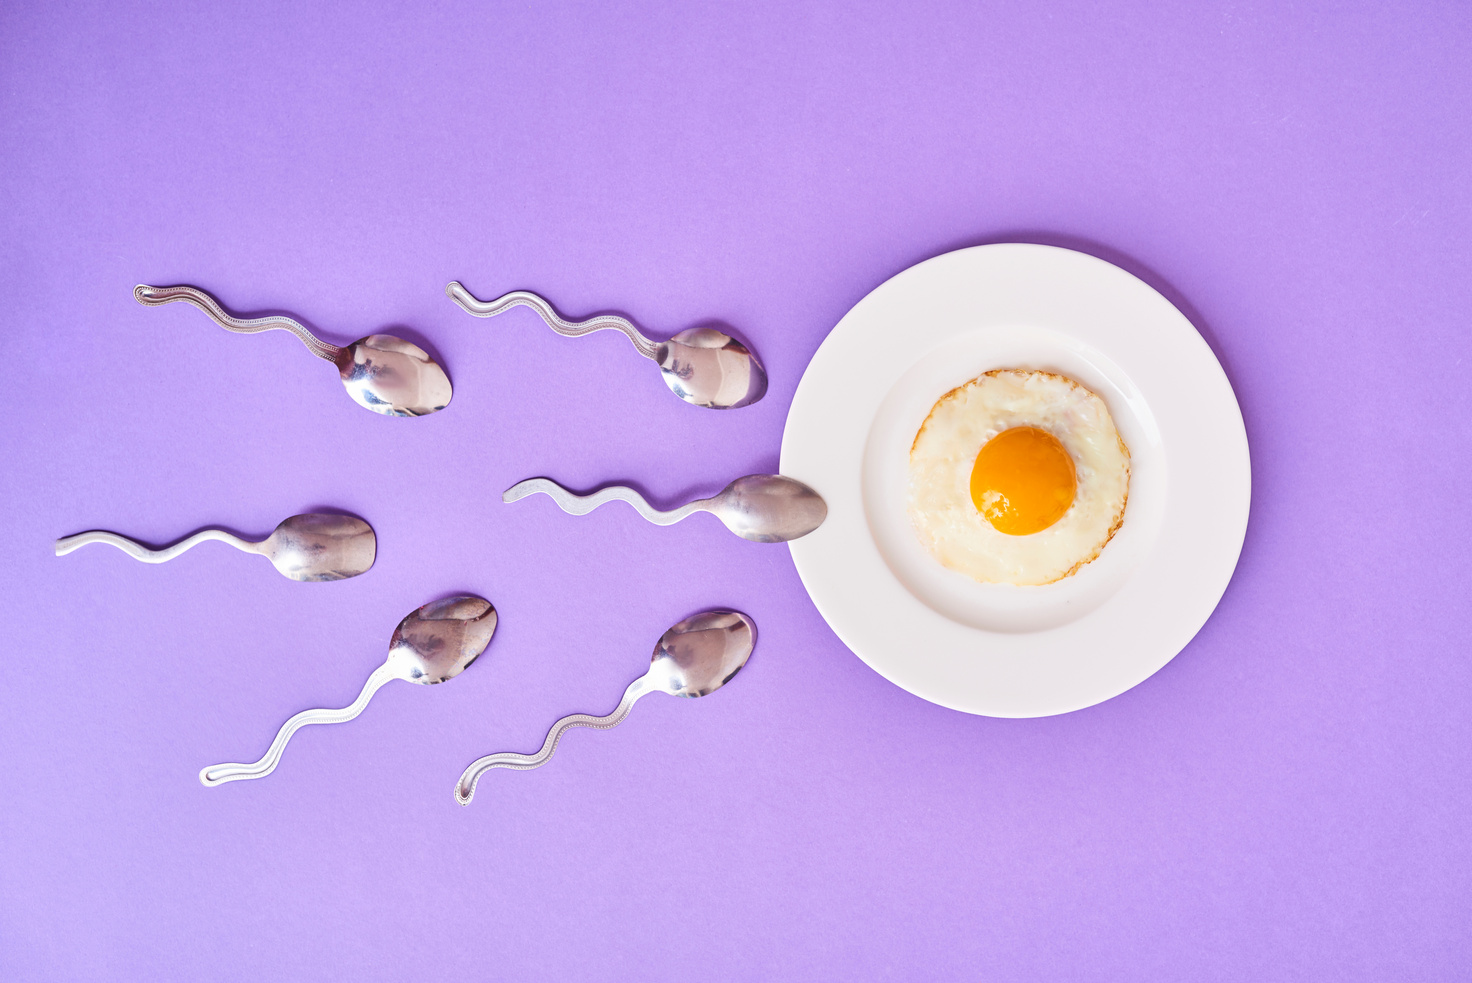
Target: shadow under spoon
column 433, row 644
column 764, row 508
column 700, row 365
column 310, row 547
column 694, row 658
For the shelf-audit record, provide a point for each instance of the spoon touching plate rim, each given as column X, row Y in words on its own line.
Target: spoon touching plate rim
column 761, row 508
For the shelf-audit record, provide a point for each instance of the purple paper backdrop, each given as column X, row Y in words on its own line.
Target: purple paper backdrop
column 1288, row 799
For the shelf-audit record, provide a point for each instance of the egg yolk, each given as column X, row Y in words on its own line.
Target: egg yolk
column 1023, row 481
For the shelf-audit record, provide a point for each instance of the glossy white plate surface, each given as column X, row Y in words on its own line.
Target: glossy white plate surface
column 996, row 649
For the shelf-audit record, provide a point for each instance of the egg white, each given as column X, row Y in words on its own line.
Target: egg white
column 962, row 421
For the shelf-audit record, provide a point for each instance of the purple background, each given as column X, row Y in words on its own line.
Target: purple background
column 1288, row 799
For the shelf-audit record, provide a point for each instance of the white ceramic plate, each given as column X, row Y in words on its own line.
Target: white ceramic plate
column 996, row 649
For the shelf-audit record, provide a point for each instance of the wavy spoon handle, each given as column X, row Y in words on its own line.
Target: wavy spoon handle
column 465, row 788
column 155, row 296
column 234, row 772
column 564, row 327
column 140, row 552
column 583, row 504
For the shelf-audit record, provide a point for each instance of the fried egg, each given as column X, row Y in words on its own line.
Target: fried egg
column 1018, row 477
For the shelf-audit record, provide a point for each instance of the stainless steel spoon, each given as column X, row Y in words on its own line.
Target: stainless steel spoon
column 382, row 373
column 433, row 644
column 700, row 365
column 694, row 658
column 304, row 547
column 764, row 508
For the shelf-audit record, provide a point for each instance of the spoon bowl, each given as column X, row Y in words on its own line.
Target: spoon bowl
column 701, row 654
column 394, row 377
column 440, row 640
column 318, row 547
column 709, row 368
column 768, row 508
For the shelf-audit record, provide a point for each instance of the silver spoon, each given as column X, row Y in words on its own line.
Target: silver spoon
column 304, row 547
column 385, row 374
column 433, row 644
column 764, row 508
column 694, row 658
column 700, row 365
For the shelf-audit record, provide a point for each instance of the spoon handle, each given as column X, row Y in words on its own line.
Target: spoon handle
column 233, row 772
column 564, row 327
column 155, row 296
column 141, row 552
column 465, row 788
column 583, row 504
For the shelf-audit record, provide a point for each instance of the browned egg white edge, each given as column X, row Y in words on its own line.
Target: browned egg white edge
column 1118, row 516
